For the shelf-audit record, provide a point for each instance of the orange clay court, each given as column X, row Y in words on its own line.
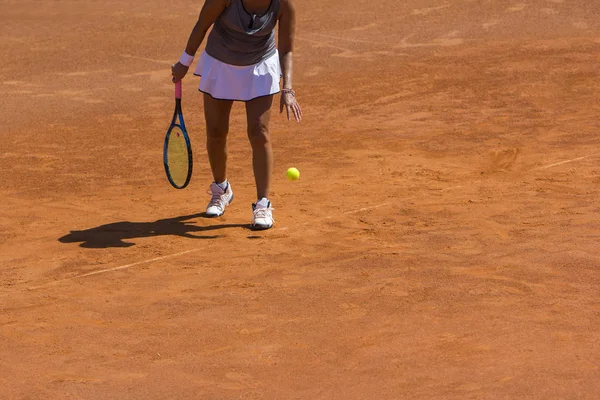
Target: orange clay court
column 442, row 242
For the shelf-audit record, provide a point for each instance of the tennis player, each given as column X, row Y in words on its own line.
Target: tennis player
column 242, row 62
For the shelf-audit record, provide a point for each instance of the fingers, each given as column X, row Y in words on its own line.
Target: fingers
column 174, row 77
column 297, row 112
column 178, row 71
column 291, row 108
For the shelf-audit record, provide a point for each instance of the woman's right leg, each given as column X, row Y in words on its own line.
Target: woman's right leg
column 216, row 114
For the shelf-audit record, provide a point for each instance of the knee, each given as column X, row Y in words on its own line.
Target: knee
column 258, row 133
column 216, row 132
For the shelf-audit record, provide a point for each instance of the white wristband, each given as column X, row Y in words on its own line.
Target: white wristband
column 186, row 59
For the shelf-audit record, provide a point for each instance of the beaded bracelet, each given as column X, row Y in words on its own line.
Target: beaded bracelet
column 290, row 91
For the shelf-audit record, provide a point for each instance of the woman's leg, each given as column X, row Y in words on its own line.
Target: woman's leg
column 216, row 113
column 258, row 114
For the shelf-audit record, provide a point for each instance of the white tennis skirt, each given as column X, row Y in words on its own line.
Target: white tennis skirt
column 230, row 82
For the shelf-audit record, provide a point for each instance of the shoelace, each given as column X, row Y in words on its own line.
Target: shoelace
column 217, row 199
column 263, row 212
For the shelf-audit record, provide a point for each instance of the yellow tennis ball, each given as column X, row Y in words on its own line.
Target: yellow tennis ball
column 292, row 174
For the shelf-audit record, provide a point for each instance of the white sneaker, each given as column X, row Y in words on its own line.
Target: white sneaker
column 263, row 214
column 219, row 200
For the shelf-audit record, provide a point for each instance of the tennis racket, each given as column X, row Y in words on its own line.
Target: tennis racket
column 177, row 151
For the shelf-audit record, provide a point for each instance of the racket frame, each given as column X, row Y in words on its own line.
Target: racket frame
column 178, row 122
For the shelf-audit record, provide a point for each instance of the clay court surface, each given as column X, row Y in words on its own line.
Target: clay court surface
column 443, row 241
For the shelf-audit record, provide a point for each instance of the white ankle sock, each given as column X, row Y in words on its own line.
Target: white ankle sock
column 223, row 185
column 264, row 202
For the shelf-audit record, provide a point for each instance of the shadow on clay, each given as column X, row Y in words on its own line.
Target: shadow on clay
column 116, row 233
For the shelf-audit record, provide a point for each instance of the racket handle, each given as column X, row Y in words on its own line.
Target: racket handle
column 178, row 90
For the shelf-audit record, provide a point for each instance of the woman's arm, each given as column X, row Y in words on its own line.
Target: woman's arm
column 208, row 15
column 287, row 30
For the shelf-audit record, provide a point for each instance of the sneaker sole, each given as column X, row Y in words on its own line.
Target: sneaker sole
column 261, row 227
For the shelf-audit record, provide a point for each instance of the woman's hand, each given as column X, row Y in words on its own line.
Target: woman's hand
column 288, row 100
column 178, row 71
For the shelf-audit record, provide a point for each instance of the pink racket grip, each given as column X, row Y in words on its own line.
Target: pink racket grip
column 178, row 90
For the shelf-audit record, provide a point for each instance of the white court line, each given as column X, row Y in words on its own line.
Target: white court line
column 387, row 204
column 147, row 59
column 358, row 210
column 326, row 45
column 562, row 162
column 349, row 39
column 103, row 271
column 365, row 209
column 450, row 188
column 126, row 266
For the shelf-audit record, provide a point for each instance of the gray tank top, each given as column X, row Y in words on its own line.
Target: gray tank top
column 241, row 38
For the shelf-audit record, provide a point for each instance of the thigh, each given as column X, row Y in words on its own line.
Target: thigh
column 216, row 113
column 258, row 112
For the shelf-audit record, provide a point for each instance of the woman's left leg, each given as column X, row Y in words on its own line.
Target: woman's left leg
column 258, row 114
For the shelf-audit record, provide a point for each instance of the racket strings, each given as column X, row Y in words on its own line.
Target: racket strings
column 178, row 157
